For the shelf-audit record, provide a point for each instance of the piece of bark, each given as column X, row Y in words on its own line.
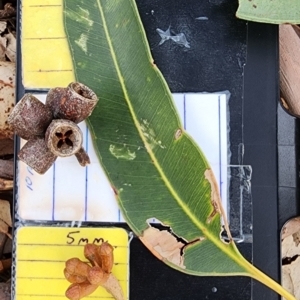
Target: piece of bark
column 6, row 185
column 5, row 290
column 11, row 47
column 6, row 169
column 7, row 97
column 6, row 147
column 8, row 12
column 5, row 214
column 8, row 246
column 5, row 264
column 289, row 49
column 290, row 228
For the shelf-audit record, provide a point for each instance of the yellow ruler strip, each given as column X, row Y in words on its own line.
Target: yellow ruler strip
column 46, row 59
column 41, row 254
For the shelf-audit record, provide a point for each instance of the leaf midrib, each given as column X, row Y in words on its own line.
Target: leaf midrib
column 197, row 223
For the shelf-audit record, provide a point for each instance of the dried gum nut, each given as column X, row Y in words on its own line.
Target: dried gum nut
column 36, row 155
column 63, row 138
column 30, row 117
column 74, row 103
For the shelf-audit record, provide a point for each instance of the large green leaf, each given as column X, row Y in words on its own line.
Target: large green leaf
column 270, row 11
column 155, row 168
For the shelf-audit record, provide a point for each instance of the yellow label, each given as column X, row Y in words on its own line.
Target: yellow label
column 41, row 254
column 46, row 58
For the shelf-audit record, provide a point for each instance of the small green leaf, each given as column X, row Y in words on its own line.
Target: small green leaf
column 270, row 11
column 155, row 168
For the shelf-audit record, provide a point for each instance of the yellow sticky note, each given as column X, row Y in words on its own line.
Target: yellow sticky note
column 41, row 253
column 46, row 59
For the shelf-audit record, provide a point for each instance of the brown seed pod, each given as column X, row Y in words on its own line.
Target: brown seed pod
column 90, row 253
column 74, row 266
column 76, row 291
column 97, row 276
column 37, row 155
column 63, row 138
column 30, row 117
column 75, row 103
column 105, row 252
column 74, row 278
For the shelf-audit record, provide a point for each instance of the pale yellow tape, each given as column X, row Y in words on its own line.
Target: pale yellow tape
column 46, row 59
column 41, row 253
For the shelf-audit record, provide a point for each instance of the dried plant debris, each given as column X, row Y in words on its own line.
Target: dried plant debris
column 51, row 129
column 5, row 217
column 291, row 257
column 86, row 278
column 6, row 169
column 289, row 50
column 7, row 98
column 6, row 185
column 6, row 148
column 5, row 291
column 8, row 12
column 165, row 244
column 8, row 34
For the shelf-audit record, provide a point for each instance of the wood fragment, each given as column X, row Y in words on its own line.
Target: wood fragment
column 5, row 291
column 6, row 147
column 290, row 253
column 289, row 49
column 3, row 239
column 11, row 47
column 7, row 97
column 7, row 247
column 5, row 264
column 8, row 12
column 6, row 169
column 6, row 185
column 290, row 228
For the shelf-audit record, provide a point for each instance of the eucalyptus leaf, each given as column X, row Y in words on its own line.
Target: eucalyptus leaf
column 156, row 170
column 270, row 11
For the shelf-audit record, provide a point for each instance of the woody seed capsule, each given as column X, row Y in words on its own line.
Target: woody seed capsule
column 75, row 103
column 63, row 138
column 36, row 155
column 30, row 117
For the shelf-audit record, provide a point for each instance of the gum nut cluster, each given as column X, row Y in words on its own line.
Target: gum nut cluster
column 51, row 129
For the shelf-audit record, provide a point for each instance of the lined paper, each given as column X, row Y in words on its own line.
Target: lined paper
column 41, row 253
column 46, row 59
column 69, row 192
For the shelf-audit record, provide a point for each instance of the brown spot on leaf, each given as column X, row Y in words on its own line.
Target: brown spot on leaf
column 216, row 201
column 215, row 195
column 115, row 190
